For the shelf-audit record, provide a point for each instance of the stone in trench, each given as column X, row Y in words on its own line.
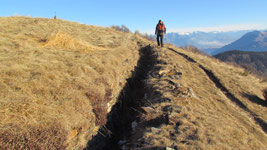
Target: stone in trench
column 174, row 72
column 169, row 148
column 121, row 142
column 172, row 113
column 148, row 110
column 134, row 125
column 155, row 130
column 162, row 72
column 172, row 109
column 182, row 91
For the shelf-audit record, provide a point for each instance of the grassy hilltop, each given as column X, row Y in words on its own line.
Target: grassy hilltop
column 60, row 79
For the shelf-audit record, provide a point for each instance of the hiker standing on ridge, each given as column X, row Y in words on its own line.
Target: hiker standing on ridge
column 160, row 31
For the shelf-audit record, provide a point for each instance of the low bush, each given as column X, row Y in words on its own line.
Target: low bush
column 121, row 28
column 146, row 36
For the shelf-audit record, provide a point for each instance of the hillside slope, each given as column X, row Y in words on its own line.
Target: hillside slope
column 59, row 80
column 66, row 85
column 254, row 60
column 196, row 102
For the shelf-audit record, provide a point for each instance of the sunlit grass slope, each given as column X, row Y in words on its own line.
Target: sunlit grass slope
column 58, row 80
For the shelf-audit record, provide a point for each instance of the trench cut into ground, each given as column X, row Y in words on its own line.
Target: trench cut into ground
column 128, row 106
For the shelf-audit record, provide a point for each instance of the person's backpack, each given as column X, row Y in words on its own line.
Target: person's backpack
column 161, row 28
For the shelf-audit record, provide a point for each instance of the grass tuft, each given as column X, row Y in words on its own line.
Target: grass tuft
column 62, row 40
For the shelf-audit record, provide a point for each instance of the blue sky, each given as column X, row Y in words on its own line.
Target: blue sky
column 142, row 15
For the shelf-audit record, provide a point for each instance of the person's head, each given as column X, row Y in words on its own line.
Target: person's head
column 160, row 22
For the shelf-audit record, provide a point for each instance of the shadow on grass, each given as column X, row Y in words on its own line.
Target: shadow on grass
column 255, row 99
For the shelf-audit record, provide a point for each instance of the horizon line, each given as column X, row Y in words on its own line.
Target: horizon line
column 225, row 28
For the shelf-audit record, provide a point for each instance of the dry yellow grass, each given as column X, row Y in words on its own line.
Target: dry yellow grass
column 58, row 80
column 246, row 87
column 213, row 119
column 209, row 120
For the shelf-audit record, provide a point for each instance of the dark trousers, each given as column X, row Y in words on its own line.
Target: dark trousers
column 161, row 40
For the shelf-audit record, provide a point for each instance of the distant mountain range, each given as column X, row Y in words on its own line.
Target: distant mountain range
column 254, row 61
column 204, row 40
column 253, row 41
